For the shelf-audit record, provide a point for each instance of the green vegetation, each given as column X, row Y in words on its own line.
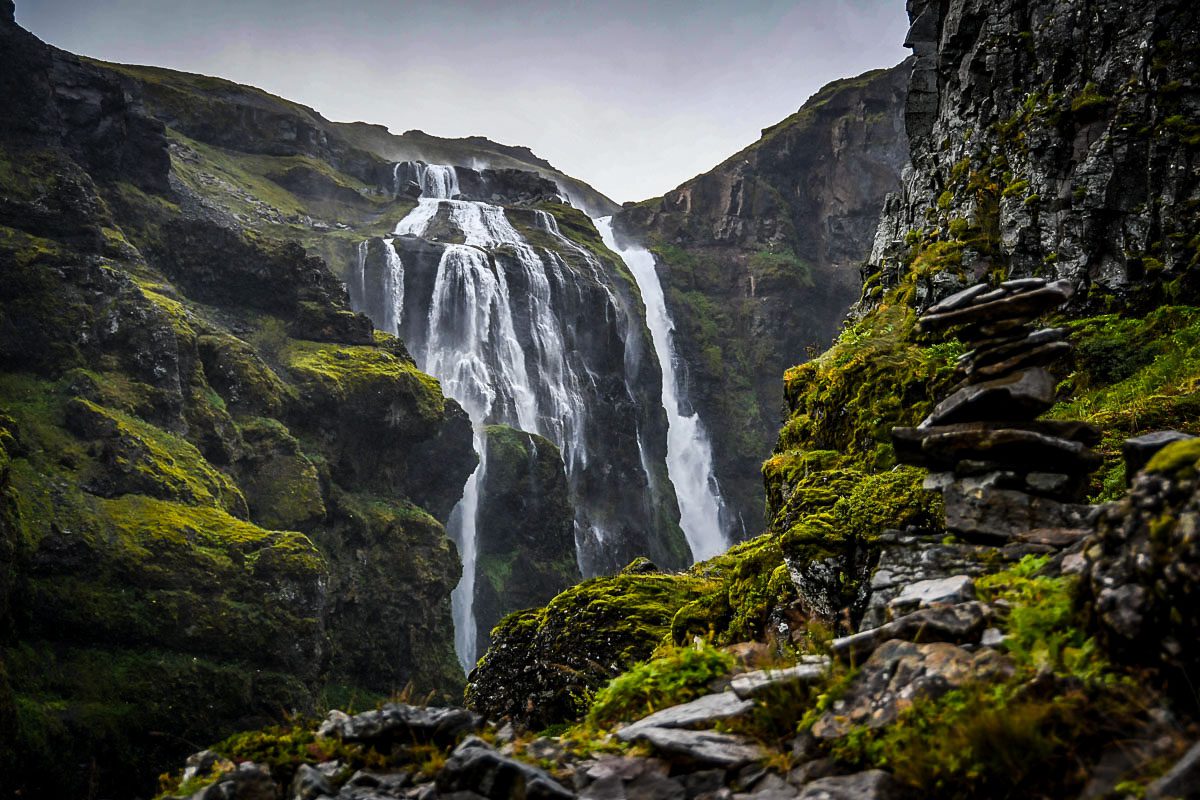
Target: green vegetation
column 993, row 739
column 677, row 675
column 1133, row 375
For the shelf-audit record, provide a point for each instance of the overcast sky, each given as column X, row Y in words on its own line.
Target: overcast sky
column 632, row 96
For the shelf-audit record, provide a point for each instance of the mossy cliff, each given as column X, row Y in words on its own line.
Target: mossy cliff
column 526, row 550
column 759, row 256
column 221, row 491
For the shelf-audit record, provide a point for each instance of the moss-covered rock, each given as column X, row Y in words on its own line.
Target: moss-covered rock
column 526, row 534
column 392, row 569
column 544, row 663
column 282, row 485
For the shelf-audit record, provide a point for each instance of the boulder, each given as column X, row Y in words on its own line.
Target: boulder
column 1143, row 567
column 475, row 767
column 703, row 711
column 703, row 747
column 1138, row 451
column 398, row 722
column 752, row 684
column 936, row 591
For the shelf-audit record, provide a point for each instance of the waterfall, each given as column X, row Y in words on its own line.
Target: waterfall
column 689, row 453
column 393, row 288
column 535, row 337
column 472, row 347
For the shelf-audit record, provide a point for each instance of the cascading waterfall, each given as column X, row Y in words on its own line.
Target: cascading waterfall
column 472, row 347
column 493, row 323
column 689, row 453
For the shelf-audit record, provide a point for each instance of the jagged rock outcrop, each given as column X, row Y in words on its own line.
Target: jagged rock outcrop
column 758, row 259
column 1053, row 140
column 1143, row 568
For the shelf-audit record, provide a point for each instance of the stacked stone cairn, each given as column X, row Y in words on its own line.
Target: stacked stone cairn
column 1005, row 475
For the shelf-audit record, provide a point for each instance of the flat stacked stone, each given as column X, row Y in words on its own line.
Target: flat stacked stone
column 1002, row 471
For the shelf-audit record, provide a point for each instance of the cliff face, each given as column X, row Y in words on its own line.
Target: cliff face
column 209, row 463
column 1052, row 139
column 759, row 259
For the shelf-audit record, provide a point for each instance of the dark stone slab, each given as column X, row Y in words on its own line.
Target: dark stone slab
column 1022, row 395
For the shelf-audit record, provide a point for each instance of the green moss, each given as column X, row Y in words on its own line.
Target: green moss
column 281, row 483
column 1002, row 738
column 1089, row 97
column 111, row 707
column 150, row 460
column 344, row 371
column 1134, row 375
column 1181, row 458
column 678, row 675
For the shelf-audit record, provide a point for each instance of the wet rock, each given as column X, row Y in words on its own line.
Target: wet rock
column 247, row 781
column 703, row 747
column 309, row 784
column 397, row 722
column 936, row 591
column 475, row 767
column 1182, row 781
column 873, row 784
column 898, row 673
column 752, row 684
column 1019, row 446
column 959, row 299
column 987, row 515
column 1143, row 568
column 1138, row 451
column 365, row 785
column 1034, row 357
column 1022, row 395
column 700, row 712
column 959, row 623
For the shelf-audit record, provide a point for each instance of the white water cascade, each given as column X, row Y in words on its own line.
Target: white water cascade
column 689, row 453
column 472, row 347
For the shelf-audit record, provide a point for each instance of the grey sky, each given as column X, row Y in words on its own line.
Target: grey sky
column 633, row 97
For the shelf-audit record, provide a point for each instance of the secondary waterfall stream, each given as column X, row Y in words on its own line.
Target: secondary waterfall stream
column 689, row 452
column 497, row 323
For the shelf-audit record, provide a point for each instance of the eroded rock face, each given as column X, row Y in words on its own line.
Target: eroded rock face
column 209, row 462
column 759, row 260
column 1064, row 140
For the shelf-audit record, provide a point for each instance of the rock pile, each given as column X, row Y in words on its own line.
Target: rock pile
column 1001, row 470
